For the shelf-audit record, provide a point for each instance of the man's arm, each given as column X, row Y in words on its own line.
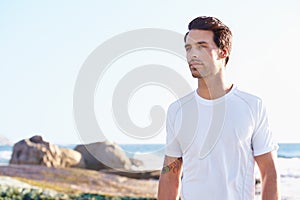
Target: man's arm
column 268, row 171
column 169, row 180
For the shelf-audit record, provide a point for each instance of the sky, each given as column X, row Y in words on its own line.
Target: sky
column 44, row 44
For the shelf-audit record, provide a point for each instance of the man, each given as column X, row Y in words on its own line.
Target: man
column 216, row 133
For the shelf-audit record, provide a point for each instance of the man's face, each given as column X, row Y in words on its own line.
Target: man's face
column 203, row 55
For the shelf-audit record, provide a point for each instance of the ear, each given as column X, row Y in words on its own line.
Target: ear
column 223, row 53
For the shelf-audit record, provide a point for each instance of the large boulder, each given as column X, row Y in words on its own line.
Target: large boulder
column 71, row 158
column 36, row 151
column 104, row 155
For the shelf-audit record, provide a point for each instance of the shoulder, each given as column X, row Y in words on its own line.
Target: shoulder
column 254, row 102
column 184, row 100
column 181, row 103
column 248, row 97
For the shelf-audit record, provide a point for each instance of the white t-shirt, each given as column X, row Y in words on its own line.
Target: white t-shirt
column 217, row 140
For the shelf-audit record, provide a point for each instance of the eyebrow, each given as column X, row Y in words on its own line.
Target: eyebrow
column 200, row 42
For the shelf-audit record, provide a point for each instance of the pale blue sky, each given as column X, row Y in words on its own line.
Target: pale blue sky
column 44, row 43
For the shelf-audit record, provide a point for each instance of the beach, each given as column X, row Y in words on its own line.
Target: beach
column 71, row 181
column 65, row 183
column 289, row 169
column 78, row 181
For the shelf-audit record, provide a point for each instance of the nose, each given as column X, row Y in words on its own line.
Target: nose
column 192, row 54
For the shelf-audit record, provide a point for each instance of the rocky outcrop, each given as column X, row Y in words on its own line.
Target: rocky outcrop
column 36, row 151
column 104, row 155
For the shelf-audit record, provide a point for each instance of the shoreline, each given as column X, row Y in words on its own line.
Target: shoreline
column 74, row 181
column 15, row 188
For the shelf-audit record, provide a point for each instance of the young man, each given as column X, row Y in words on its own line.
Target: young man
column 216, row 133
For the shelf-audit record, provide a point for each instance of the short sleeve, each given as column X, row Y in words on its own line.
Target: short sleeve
column 173, row 148
column 262, row 139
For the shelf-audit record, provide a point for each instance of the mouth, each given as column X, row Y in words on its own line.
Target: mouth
column 192, row 64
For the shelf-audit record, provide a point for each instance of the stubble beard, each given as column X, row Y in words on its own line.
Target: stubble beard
column 196, row 74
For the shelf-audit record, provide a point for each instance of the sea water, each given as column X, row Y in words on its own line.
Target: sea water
column 5, row 154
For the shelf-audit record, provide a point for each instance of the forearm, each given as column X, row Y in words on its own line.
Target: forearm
column 270, row 187
column 168, row 188
column 169, row 180
column 268, row 171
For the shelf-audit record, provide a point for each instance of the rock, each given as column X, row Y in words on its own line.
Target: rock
column 136, row 162
column 38, row 139
column 36, row 151
column 71, row 158
column 104, row 155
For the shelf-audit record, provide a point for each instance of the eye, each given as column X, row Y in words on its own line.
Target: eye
column 202, row 46
column 187, row 48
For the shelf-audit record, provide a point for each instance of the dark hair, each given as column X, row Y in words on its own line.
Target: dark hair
column 222, row 34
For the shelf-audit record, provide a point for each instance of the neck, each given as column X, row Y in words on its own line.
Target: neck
column 213, row 88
